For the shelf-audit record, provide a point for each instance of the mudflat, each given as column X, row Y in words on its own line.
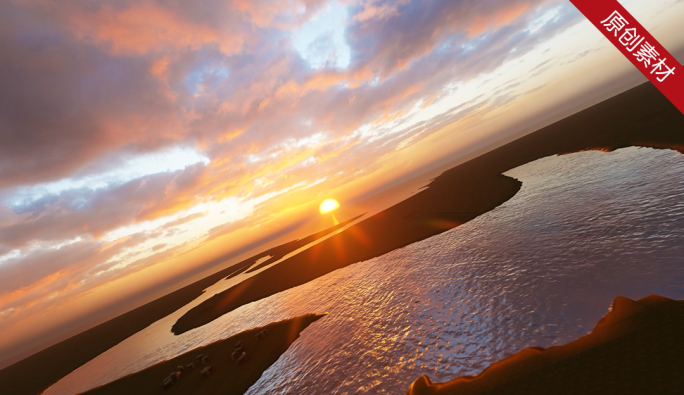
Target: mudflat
column 638, row 117
column 637, row 348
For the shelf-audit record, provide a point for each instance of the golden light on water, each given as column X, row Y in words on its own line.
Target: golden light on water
column 328, row 205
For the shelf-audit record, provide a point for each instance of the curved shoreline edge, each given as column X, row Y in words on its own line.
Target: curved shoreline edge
column 637, row 348
column 227, row 377
column 640, row 116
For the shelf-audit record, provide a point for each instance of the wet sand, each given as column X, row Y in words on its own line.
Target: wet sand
column 226, row 377
column 640, row 116
column 637, row 348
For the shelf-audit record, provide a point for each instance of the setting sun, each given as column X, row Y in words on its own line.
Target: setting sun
column 160, row 164
column 328, row 205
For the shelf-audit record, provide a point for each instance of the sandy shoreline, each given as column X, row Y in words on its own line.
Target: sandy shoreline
column 640, row 116
column 637, row 348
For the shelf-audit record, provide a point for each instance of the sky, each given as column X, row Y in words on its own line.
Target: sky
column 146, row 143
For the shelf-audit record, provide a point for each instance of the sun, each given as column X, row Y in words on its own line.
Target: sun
column 328, row 205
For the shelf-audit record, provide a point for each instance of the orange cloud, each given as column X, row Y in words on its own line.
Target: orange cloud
column 389, row 117
column 429, row 101
column 134, row 98
column 501, row 17
column 148, row 27
column 371, row 10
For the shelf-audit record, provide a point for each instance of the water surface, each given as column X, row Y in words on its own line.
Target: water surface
column 539, row 270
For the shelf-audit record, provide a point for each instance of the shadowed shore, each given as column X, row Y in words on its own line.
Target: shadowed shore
column 277, row 253
column 226, row 378
column 637, row 348
column 640, row 116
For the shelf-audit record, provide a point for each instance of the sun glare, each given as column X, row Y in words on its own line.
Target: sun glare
column 328, row 205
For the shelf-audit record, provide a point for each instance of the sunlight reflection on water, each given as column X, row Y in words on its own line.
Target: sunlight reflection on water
column 539, row 270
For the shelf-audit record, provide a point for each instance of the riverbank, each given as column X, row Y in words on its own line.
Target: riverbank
column 637, row 348
column 227, row 377
column 640, row 116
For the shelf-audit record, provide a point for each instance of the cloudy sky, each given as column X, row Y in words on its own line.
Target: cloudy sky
column 142, row 140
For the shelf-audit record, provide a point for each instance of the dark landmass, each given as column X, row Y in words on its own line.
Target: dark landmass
column 59, row 360
column 277, row 253
column 637, row 348
column 226, row 378
column 641, row 116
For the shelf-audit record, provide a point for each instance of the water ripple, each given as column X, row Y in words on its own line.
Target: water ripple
column 540, row 270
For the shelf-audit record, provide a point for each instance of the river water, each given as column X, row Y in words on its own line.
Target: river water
column 539, row 270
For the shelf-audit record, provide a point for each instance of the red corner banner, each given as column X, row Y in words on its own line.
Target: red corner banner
column 637, row 44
